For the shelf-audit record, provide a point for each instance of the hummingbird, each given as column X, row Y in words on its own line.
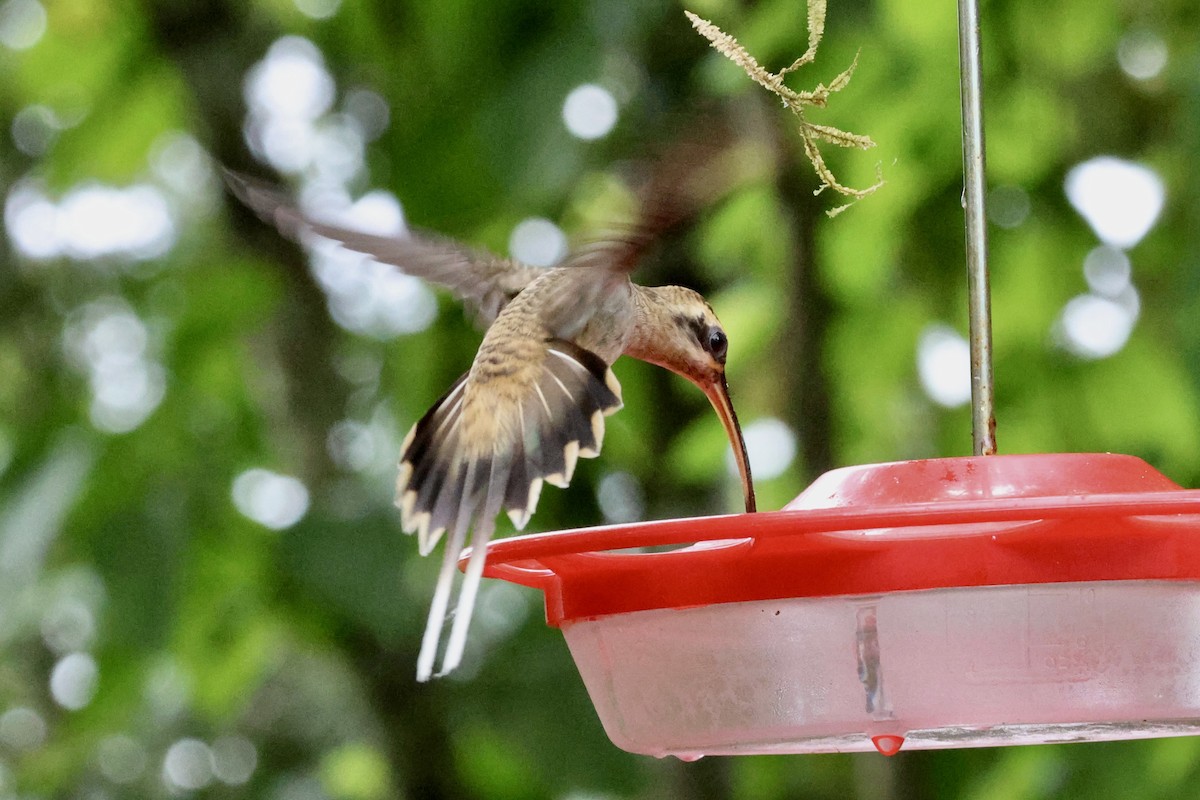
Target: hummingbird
column 535, row 398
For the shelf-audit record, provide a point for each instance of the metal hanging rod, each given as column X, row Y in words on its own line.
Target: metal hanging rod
column 983, row 417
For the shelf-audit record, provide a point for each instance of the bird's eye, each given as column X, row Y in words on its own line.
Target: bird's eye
column 717, row 343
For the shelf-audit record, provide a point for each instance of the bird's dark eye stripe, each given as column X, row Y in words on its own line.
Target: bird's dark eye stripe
column 709, row 337
column 699, row 330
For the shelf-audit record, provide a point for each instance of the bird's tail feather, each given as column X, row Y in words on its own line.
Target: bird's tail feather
column 445, row 582
column 484, row 527
column 444, row 487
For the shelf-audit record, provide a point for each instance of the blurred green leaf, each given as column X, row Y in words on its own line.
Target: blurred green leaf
column 355, row 772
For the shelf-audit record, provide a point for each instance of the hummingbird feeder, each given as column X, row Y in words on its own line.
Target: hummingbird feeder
column 956, row 602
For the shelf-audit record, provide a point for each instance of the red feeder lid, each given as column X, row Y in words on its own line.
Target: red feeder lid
column 953, row 522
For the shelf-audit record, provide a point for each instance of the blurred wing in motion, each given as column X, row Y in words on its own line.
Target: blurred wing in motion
column 483, row 281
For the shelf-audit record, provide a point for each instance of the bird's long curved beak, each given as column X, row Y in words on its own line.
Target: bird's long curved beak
column 718, row 395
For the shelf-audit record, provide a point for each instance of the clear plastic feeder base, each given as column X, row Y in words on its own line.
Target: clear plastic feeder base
column 971, row 667
column 954, row 602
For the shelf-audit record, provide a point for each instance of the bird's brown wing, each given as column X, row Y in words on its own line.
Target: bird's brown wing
column 453, row 478
column 483, row 281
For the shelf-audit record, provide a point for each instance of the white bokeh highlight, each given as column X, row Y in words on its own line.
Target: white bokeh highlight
column 22, row 728
column 318, row 9
column 35, row 128
column 292, row 124
column 68, row 625
column 91, row 221
column 1107, row 271
column 353, row 445
column 537, row 242
column 22, row 23
column 1008, row 206
column 97, row 220
column 1121, row 200
column 270, row 499
column 291, row 82
column 770, row 446
column 944, row 366
column 109, row 343
column 1094, row 327
column 621, row 498
column 370, row 298
column 234, row 759
column 366, row 296
column 73, row 680
column 1142, row 54
column 181, row 165
column 287, row 93
column 502, row 609
column 369, row 110
column 188, row 765
column 589, row 112
column 121, row 758
column 166, row 691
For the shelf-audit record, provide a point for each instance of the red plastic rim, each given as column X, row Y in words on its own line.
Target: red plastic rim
column 995, row 520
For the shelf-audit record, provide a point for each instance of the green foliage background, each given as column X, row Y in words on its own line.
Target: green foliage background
column 303, row 641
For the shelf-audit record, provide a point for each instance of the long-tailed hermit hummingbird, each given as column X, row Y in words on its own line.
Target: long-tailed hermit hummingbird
column 541, row 384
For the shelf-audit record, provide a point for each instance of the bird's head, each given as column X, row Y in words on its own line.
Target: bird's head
column 677, row 329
